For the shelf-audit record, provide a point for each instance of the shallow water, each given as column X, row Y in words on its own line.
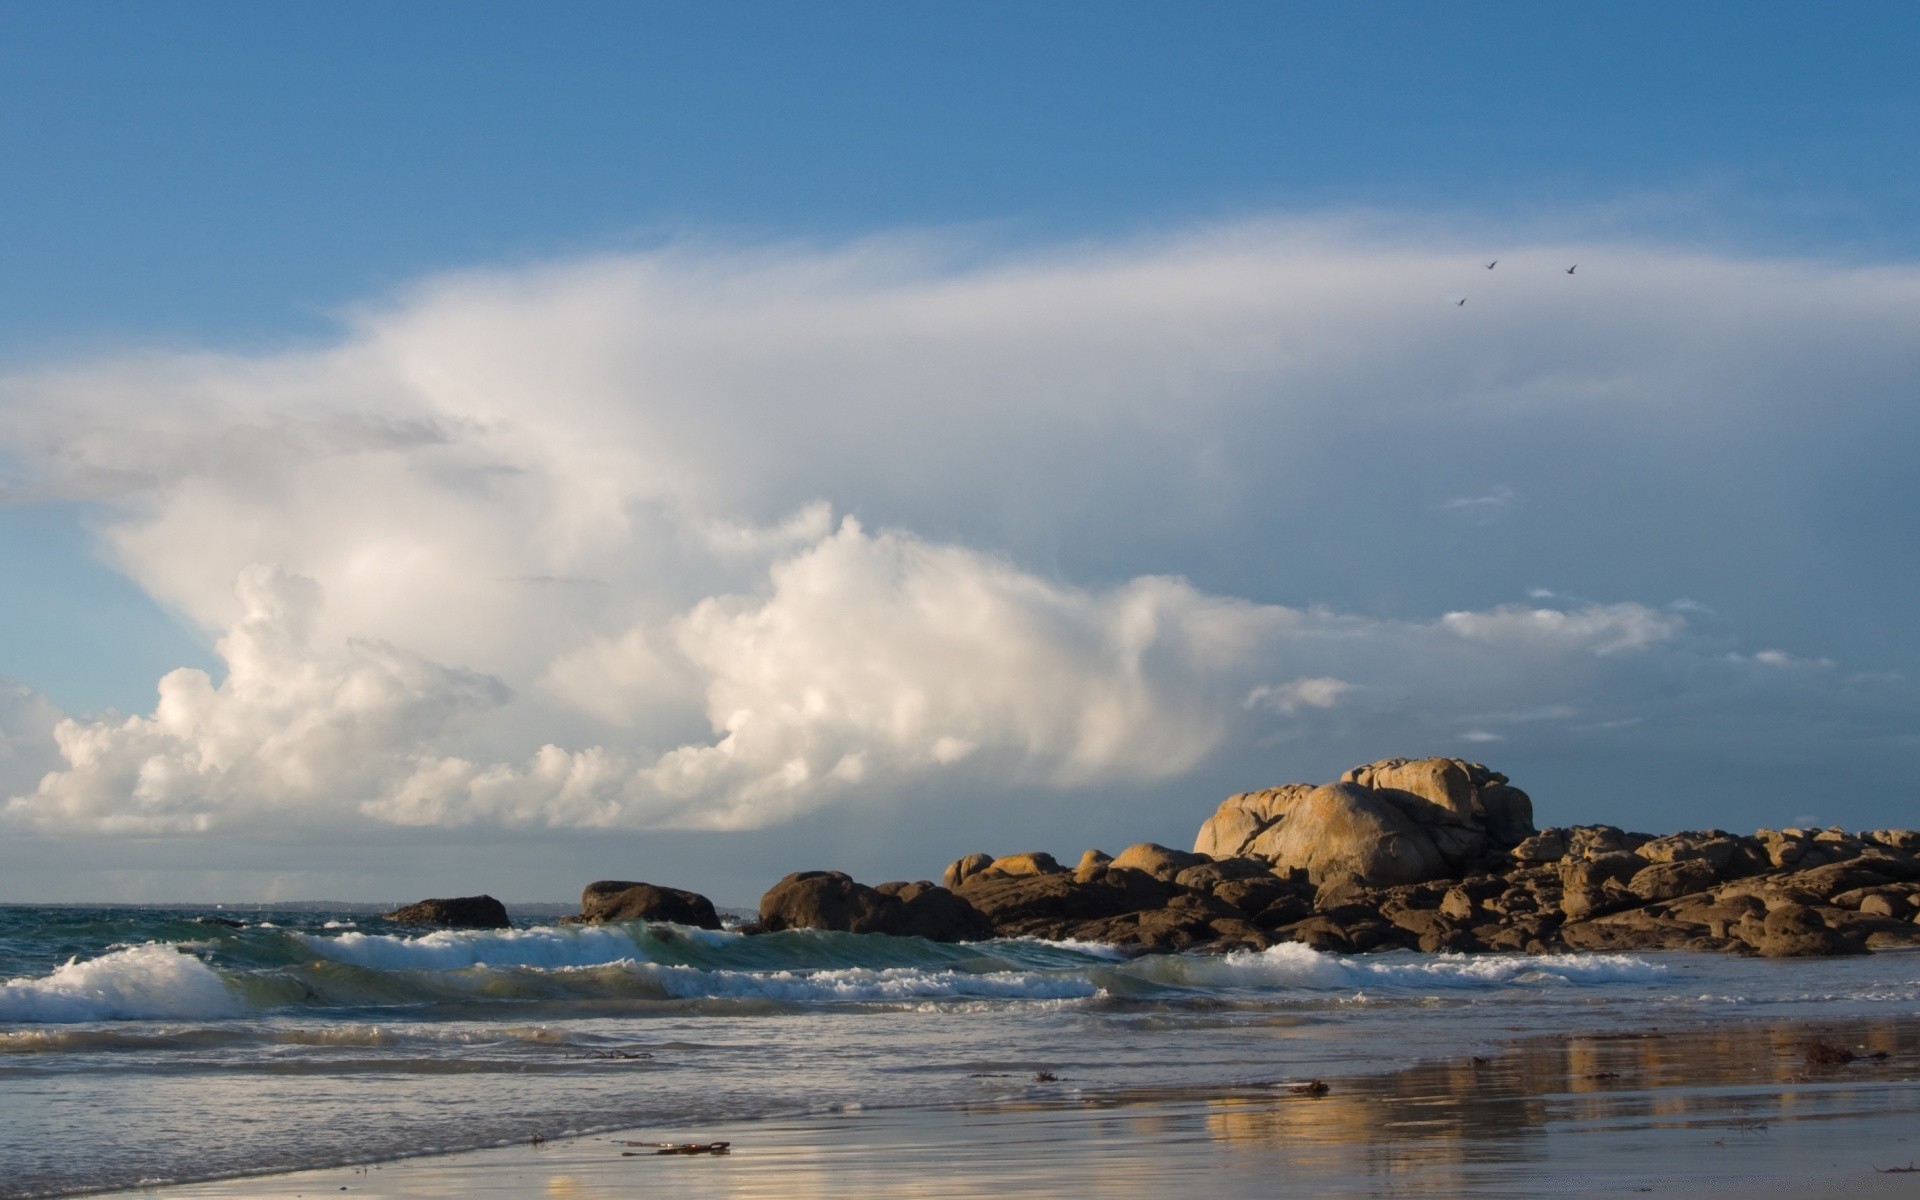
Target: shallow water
column 140, row 1045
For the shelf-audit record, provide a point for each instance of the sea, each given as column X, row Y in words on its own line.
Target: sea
column 146, row 1045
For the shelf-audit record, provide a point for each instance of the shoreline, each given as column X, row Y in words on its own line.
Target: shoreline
column 1701, row 1110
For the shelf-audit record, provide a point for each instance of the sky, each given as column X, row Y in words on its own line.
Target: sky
column 485, row 447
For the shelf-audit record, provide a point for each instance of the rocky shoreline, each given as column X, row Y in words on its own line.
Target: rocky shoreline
column 1430, row 854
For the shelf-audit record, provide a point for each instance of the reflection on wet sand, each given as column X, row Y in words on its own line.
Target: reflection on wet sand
column 1517, row 1106
column 1691, row 1112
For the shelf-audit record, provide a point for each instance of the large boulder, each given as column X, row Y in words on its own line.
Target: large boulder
column 1429, row 816
column 833, row 900
column 625, row 900
column 458, row 912
column 1434, row 791
column 1241, row 817
column 1345, row 830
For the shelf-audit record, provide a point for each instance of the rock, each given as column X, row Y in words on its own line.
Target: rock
column 1034, row 862
column 1547, row 846
column 1242, row 816
column 1505, row 812
column 963, row 869
column 459, row 912
column 1459, row 846
column 1157, row 860
column 1053, row 905
column 1907, row 840
column 1672, row 880
column 622, row 900
column 1434, row 791
column 1227, row 831
column 825, row 900
column 1207, row 877
column 1093, row 865
column 1593, row 841
column 1343, row 829
column 1882, row 903
column 1318, row 933
column 833, row 900
column 1457, row 904
column 1796, row 931
column 935, row 913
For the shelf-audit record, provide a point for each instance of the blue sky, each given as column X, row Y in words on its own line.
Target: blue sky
column 211, row 208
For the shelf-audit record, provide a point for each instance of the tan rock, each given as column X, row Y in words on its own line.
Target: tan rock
column 1033, row 862
column 1442, row 783
column 1093, row 864
column 1156, row 860
column 962, row 869
column 1344, row 829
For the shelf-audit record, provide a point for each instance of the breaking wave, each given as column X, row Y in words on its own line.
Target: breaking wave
column 488, row 974
column 150, row 982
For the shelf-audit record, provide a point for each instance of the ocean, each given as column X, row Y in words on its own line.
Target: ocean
column 140, row 1046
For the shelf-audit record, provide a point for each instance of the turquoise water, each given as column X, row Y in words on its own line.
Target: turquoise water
column 139, row 1045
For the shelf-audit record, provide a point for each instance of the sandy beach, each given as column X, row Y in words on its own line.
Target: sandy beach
column 1741, row 1109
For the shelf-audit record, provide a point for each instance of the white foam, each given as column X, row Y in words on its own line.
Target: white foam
column 150, row 982
column 1292, row 965
column 450, row 949
column 865, row 984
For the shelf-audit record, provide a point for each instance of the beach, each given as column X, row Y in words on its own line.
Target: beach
column 282, row 1051
column 1735, row 1110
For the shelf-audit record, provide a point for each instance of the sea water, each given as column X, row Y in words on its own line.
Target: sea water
column 147, row 1045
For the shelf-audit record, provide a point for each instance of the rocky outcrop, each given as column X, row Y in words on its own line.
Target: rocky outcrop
column 624, row 900
column 1435, row 854
column 457, row 912
column 1386, row 823
column 832, row 900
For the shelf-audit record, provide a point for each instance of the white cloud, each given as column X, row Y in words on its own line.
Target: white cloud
column 1291, row 697
column 575, row 525
column 294, row 726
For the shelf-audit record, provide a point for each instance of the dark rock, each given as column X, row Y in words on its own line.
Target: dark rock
column 1049, row 905
column 935, row 913
column 833, row 900
column 459, row 912
column 624, row 900
column 1796, row 931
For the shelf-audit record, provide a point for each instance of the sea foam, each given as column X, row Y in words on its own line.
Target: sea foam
column 449, row 949
column 150, row 982
column 1291, row 965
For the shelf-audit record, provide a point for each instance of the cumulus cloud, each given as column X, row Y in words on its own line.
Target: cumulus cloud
column 567, row 545
column 294, row 725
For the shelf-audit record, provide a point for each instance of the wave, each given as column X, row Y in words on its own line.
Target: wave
column 1292, row 965
column 550, row 970
column 150, row 982
column 448, row 950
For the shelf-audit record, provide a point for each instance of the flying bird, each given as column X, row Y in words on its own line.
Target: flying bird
column 1493, row 264
column 1573, row 268
column 1461, row 301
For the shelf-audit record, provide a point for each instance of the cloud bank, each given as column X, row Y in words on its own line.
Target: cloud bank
column 708, row 537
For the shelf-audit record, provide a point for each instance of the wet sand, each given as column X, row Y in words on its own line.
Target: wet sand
column 1738, row 1110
